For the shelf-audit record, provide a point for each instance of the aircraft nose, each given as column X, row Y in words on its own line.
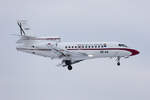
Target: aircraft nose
column 134, row 52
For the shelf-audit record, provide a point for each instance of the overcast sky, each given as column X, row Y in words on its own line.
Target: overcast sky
column 28, row 77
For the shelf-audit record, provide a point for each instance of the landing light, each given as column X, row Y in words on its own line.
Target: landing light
column 90, row 55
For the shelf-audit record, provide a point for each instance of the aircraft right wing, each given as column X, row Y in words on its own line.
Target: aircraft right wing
column 69, row 55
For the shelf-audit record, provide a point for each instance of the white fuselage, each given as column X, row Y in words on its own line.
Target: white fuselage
column 92, row 49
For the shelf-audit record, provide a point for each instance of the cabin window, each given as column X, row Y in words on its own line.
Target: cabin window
column 66, row 47
column 78, row 46
column 33, row 46
column 75, row 46
column 89, row 46
column 105, row 45
column 82, row 46
column 95, row 46
column 99, row 46
column 72, row 46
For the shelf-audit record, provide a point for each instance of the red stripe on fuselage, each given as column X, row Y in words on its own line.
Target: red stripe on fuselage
column 133, row 51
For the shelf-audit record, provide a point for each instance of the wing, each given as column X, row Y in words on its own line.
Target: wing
column 68, row 54
column 75, row 57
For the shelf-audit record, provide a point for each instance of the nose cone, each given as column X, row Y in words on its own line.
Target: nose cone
column 134, row 52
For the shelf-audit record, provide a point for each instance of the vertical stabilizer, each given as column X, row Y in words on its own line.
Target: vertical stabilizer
column 24, row 28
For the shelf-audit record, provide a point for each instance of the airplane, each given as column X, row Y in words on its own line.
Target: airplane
column 69, row 52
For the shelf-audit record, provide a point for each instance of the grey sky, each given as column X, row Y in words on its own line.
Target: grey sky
column 28, row 77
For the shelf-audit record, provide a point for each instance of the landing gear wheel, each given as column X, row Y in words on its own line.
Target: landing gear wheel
column 118, row 63
column 69, row 67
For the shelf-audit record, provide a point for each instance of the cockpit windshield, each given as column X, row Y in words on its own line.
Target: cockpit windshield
column 122, row 45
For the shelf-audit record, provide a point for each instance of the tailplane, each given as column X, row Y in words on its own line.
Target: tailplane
column 28, row 37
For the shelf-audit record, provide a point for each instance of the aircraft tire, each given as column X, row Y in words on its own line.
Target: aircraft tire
column 118, row 63
column 69, row 67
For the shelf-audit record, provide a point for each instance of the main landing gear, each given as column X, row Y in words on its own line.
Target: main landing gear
column 69, row 67
column 118, row 61
column 68, row 63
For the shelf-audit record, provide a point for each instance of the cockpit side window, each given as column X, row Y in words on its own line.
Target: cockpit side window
column 122, row 45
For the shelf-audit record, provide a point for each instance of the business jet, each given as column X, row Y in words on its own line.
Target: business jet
column 69, row 52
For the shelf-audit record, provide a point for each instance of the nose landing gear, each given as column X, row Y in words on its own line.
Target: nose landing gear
column 118, row 61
